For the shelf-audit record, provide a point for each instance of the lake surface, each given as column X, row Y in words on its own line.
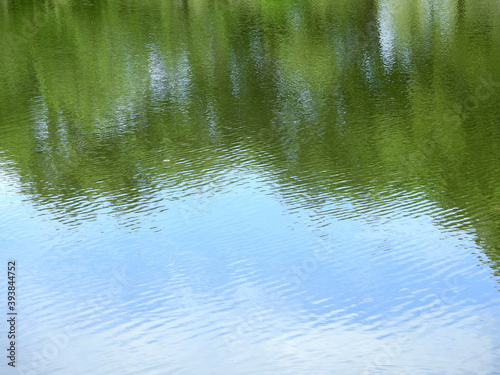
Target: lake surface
column 252, row 186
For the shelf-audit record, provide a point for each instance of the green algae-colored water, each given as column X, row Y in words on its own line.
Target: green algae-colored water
column 252, row 186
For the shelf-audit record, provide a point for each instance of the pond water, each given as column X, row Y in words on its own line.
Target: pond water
column 252, row 186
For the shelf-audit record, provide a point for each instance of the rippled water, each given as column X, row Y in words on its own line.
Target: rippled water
column 252, row 187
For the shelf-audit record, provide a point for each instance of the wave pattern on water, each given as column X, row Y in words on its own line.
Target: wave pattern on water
column 291, row 188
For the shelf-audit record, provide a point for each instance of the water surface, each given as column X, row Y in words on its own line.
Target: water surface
column 253, row 186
